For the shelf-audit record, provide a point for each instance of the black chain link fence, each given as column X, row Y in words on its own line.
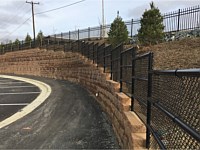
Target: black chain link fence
column 127, row 71
column 168, row 102
column 175, row 111
column 107, row 59
column 140, row 79
column 115, row 62
column 100, row 55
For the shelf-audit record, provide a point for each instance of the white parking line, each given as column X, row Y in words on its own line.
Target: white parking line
column 20, row 93
column 12, row 83
column 19, row 86
column 45, row 92
column 5, row 80
column 18, row 104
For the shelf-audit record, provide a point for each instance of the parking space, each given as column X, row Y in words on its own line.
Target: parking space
column 15, row 95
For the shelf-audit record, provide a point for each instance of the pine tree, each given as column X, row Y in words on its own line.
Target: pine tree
column 28, row 38
column 118, row 32
column 1, row 46
column 152, row 28
column 17, row 42
column 40, row 37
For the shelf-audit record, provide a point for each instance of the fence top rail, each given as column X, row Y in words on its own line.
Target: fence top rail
column 127, row 50
column 108, row 46
column 142, row 56
column 178, row 73
column 117, row 47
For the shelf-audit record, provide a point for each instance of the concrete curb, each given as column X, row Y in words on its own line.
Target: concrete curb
column 45, row 92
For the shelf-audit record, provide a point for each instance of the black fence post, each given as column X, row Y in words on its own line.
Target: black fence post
column 22, row 45
column 133, row 78
column 11, row 48
column 149, row 95
column 88, row 33
column 19, row 48
column 57, row 40
column 120, row 70
column 69, row 36
column 111, row 68
column 69, row 44
column 178, row 28
column 54, row 45
column 78, row 38
column 78, row 35
column 93, row 53
column 2, row 50
column 132, row 28
column 104, row 60
column 101, row 30
column 97, row 56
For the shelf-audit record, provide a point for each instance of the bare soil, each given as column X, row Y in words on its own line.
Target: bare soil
column 183, row 54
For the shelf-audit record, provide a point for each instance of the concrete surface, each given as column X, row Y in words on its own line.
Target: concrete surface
column 69, row 119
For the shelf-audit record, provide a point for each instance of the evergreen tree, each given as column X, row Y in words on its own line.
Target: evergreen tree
column 152, row 28
column 1, row 46
column 16, row 42
column 118, row 32
column 40, row 37
column 28, row 38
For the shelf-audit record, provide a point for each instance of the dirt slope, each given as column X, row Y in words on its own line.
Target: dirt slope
column 183, row 54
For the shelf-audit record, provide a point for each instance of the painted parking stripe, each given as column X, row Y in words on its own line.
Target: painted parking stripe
column 17, row 104
column 6, row 80
column 44, row 94
column 12, row 83
column 20, row 93
column 22, row 86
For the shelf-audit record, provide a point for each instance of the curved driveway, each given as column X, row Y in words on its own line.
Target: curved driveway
column 69, row 119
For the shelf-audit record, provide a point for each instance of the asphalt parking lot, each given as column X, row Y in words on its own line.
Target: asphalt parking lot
column 14, row 95
column 70, row 118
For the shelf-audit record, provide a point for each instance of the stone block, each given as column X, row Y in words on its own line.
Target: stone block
column 135, row 123
column 139, row 140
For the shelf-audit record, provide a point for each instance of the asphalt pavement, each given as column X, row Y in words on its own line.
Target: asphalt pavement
column 69, row 119
column 15, row 95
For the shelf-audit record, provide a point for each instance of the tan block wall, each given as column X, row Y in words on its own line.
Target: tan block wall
column 73, row 67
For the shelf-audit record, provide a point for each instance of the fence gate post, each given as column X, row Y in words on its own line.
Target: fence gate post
column 149, row 95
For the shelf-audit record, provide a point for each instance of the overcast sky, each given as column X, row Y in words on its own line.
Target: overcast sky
column 88, row 13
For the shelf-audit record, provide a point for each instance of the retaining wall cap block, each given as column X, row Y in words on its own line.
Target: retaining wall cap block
column 136, row 124
column 123, row 97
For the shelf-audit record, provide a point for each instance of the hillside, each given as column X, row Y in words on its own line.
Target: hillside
column 183, row 54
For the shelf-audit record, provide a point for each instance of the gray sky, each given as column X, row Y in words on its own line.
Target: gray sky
column 15, row 13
